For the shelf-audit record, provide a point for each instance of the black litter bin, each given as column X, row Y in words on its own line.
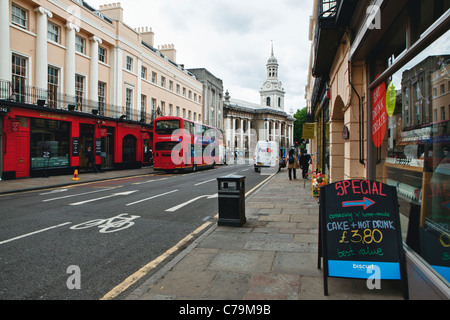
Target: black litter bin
column 231, row 201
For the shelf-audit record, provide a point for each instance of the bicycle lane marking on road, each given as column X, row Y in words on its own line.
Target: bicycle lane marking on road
column 113, row 224
column 35, row 232
column 135, row 277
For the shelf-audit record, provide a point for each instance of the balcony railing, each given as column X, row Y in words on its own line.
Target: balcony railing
column 51, row 99
column 327, row 8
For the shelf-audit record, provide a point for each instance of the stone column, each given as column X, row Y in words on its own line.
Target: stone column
column 93, row 71
column 274, row 131
column 233, row 133
column 249, row 131
column 5, row 51
column 139, row 111
column 241, row 144
column 228, row 132
column 71, row 30
column 41, row 47
column 266, row 130
column 116, row 74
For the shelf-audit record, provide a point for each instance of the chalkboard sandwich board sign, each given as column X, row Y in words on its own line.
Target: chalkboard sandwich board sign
column 359, row 232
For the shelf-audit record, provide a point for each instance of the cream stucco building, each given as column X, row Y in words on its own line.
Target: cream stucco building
column 92, row 56
column 74, row 76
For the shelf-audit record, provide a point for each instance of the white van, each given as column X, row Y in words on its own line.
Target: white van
column 266, row 155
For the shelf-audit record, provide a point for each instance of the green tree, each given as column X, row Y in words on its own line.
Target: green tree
column 300, row 119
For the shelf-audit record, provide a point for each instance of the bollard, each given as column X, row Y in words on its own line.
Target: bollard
column 231, row 201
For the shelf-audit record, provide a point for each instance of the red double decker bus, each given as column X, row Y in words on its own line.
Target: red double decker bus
column 184, row 145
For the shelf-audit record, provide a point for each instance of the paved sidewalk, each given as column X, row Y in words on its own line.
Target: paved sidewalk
column 272, row 257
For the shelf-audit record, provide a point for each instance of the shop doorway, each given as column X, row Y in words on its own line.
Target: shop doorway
column 86, row 140
column 23, row 155
column 108, row 149
column 129, row 149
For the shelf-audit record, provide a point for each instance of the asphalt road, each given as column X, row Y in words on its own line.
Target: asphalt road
column 83, row 242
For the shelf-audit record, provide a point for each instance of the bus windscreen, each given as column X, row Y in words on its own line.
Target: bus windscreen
column 166, row 126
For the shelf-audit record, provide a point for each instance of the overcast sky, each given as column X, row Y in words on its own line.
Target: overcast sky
column 232, row 39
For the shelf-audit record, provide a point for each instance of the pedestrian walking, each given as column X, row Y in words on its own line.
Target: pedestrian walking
column 304, row 160
column 292, row 164
column 91, row 159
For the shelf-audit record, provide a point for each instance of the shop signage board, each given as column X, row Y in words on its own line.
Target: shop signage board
column 75, row 146
column 308, row 130
column 379, row 115
column 359, row 232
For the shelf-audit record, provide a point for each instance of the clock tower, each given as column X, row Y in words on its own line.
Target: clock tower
column 272, row 92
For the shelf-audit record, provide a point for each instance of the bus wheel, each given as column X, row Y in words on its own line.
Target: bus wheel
column 194, row 168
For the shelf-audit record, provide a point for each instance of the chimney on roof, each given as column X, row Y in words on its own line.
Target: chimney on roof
column 113, row 11
column 169, row 51
column 148, row 36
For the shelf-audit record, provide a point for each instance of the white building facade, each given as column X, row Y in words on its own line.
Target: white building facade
column 246, row 123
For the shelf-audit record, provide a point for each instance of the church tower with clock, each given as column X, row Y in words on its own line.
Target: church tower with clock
column 272, row 92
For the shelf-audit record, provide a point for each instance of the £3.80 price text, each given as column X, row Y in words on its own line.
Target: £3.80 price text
column 366, row 237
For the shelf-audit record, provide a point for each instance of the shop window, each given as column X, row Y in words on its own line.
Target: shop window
column 49, row 143
column 416, row 155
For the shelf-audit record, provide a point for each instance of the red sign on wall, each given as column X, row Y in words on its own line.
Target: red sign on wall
column 15, row 126
column 379, row 114
column 103, row 132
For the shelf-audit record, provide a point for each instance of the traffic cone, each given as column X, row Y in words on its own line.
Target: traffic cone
column 75, row 176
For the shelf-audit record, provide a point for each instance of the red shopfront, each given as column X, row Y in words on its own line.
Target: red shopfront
column 41, row 141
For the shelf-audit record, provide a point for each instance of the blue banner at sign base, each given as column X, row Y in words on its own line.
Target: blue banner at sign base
column 364, row 269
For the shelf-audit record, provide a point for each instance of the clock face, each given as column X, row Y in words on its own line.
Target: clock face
column 268, row 85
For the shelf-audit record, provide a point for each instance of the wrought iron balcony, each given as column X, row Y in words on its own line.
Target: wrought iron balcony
column 332, row 18
column 28, row 95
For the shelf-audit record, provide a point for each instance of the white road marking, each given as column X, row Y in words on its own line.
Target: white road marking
column 54, row 191
column 197, row 184
column 35, row 232
column 79, row 194
column 153, row 197
column 173, row 209
column 126, row 193
column 148, row 181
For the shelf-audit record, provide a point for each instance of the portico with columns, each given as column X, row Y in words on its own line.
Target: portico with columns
column 246, row 123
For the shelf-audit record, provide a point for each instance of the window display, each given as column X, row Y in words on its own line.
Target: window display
column 49, row 143
column 415, row 154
